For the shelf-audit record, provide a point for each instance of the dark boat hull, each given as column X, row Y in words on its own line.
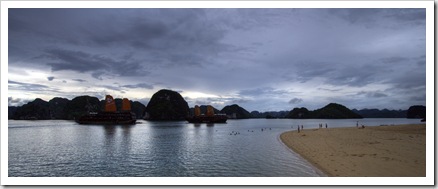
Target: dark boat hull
column 206, row 119
column 105, row 118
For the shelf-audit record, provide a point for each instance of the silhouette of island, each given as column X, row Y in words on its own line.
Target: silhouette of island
column 170, row 105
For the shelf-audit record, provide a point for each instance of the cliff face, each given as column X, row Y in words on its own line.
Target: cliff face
column 416, row 112
column 167, row 105
column 57, row 106
column 235, row 111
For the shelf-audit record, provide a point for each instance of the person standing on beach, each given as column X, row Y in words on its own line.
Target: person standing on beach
column 326, row 125
column 357, row 123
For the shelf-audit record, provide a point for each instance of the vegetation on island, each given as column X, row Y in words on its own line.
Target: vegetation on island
column 416, row 112
column 330, row 111
column 62, row 108
column 236, row 112
column 167, row 105
column 384, row 113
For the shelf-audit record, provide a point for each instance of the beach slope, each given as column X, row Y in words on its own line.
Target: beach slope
column 393, row 151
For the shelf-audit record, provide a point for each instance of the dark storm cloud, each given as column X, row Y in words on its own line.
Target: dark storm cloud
column 295, row 101
column 50, row 78
column 335, row 73
column 108, row 43
column 30, row 87
column 221, row 51
column 263, row 92
column 76, row 61
column 372, row 94
column 97, row 65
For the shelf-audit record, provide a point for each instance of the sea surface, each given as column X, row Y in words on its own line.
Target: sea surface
column 239, row 148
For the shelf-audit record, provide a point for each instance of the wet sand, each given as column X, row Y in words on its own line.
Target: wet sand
column 393, row 151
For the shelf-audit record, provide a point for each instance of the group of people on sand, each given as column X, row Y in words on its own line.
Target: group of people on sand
column 300, row 128
column 320, row 125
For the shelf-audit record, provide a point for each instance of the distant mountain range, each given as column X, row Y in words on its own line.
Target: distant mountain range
column 62, row 108
column 170, row 105
column 385, row 113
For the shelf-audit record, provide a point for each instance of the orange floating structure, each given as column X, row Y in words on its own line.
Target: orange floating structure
column 126, row 105
column 209, row 117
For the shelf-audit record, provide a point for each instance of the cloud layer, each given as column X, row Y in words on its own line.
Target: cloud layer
column 262, row 59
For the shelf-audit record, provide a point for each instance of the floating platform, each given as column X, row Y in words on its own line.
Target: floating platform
column 107, row 118
column 110, row 115
column 208, row 119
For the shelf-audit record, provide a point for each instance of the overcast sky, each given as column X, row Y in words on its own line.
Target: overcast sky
column 261, row 59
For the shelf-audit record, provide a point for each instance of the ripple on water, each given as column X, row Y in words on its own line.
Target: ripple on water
column 63, row 148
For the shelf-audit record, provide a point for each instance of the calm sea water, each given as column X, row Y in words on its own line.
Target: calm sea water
column 238, row 148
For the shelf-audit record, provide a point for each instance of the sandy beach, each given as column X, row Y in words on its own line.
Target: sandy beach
column 393, row 151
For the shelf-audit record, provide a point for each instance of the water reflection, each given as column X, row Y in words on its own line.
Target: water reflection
column 168, row 148
column 112, row 140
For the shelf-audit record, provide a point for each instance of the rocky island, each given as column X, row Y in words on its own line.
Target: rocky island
column 168, row 105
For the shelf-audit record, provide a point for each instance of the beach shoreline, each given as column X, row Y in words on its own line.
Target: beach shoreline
column 377, row 151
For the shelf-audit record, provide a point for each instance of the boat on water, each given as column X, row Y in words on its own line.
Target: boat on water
column 110, row 115
column 209, row 117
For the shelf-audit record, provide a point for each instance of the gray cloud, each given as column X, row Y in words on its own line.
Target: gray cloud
column 50, row 78
column 96, row 64
column 139, row 85
column 75, row 60
column 29, row 87
column 382, row 17
column 264, row 92
column 372, row 94
column 80, row 80
column 295, row 101
column 17, row 101
column 391, row 60
column 331, row 90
